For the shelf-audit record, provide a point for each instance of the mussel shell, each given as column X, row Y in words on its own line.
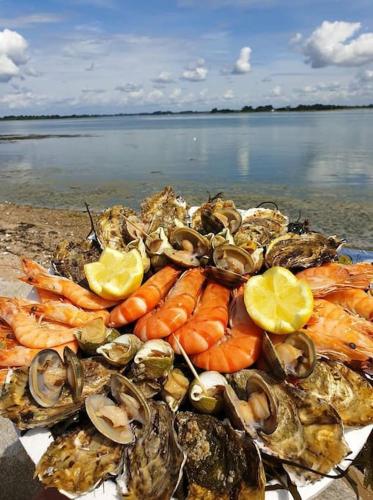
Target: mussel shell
column 122, row 350
column 305, row 364
column 74, row 373
column 44, row 393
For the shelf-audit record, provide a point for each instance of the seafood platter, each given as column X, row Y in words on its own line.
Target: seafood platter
column 188, row 353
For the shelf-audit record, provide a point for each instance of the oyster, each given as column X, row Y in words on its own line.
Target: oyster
column 153, row 466
column 301, row 250
column 25, row 414
column 163, row 209
column 209, row 398
column 114, row 419
column 293, row 356
column 13, row 388
column 122, row 350
column 77, row 462
column 222, row 464
column 272, row 420
column 95, row 334
column 110, row 225
column 325, row 446
column 175, row 388
column 349, row 393
column 69, row 258
column 261, row 225
column 189, row 247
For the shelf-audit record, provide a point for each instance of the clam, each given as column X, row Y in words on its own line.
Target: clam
column 48, row 375
column 95, row 334
column 156, row 243
column 215, row 220
column 153, row 465
column 139, row 245
column 206, row 392
column 262, row 407
column 189, row 247
column 232, row 264
column 153, row 360
column 301, row 250
column 222, row 238
column 122, row 350
column 213, row 203
column 175, row 388
column 295, row 356
column 114, row 419
column 75, row 463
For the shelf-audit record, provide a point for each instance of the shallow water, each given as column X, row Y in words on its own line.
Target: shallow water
column 320, row 162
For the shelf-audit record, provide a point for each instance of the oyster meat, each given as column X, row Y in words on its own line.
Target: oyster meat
column 77, row 462
column 260, row 226
column 300, row 251
column 222, row 464
column 349, row 392
column 153, row 466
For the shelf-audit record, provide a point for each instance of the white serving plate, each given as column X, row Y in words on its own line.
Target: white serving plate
column 36, row 442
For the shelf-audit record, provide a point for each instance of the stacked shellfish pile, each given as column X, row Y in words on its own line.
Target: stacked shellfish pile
column 130, row 408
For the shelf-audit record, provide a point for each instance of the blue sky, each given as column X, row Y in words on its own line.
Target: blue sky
column 75, row 56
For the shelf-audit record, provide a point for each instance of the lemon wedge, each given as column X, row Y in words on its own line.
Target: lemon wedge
column 277, row 301
column 116, row 274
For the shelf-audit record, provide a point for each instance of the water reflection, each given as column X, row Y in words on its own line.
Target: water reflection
column 243, row 160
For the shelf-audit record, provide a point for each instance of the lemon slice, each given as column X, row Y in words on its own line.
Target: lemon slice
column 116, row 274
column 277, row 301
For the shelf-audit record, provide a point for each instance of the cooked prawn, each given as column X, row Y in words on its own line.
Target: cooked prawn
column 176, row 309
column 37, row 276
column 47, row 296
column 145, row 298
column 65, row 313
column 208, row 323
column 336, row 332
column 332, row 277
column 239, row 348
column 14, row 354
column 354, row 301
column 29, row 332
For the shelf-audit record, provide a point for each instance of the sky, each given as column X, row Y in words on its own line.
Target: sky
column 125, row 56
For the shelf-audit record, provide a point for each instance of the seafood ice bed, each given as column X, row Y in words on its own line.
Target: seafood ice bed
column 176, row 391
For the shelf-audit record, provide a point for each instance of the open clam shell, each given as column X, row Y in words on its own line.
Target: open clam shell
column 295, row 356
column 47, row 376
column 208, row 397
column 215, row 220
column 232, row 265
column 188, row 247
column 114, row 418
column 122, row 350
column 74, row 373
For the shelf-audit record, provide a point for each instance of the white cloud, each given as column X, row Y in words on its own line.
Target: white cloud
column 176, row 93
column 163, row 77
column 13, row 54
column 22, row 99
column 365, row 76
column 296, row 39
column 331, row 44
column 21, row 21
column 242, row 64
column 228, row 94
column 129, row 87
column 154, row 95
column 195, row 72
column 276, row 91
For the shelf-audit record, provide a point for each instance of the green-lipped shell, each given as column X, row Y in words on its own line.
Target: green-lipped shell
column 95, row 334
column 208, row 397
column 122, row 350
column 153, row 360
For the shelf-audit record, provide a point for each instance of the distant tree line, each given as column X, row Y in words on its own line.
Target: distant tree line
column 245, row 109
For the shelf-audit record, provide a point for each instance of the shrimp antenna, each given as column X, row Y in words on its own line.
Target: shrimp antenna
column 267, row 203
column 189, row 363
column 93, row 229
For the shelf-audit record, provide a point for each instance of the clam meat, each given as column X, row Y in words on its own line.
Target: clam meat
column 189, row 247
column 232, row 265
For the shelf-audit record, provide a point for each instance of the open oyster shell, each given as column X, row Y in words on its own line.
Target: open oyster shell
column 153, row 466
column 110, row 227
column 77, row 462
column 70, row 257
column 163, row 209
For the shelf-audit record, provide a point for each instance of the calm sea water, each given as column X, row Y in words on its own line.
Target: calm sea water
column 297, row 151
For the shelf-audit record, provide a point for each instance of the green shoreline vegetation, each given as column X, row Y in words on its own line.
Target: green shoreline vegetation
column 246, row 109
